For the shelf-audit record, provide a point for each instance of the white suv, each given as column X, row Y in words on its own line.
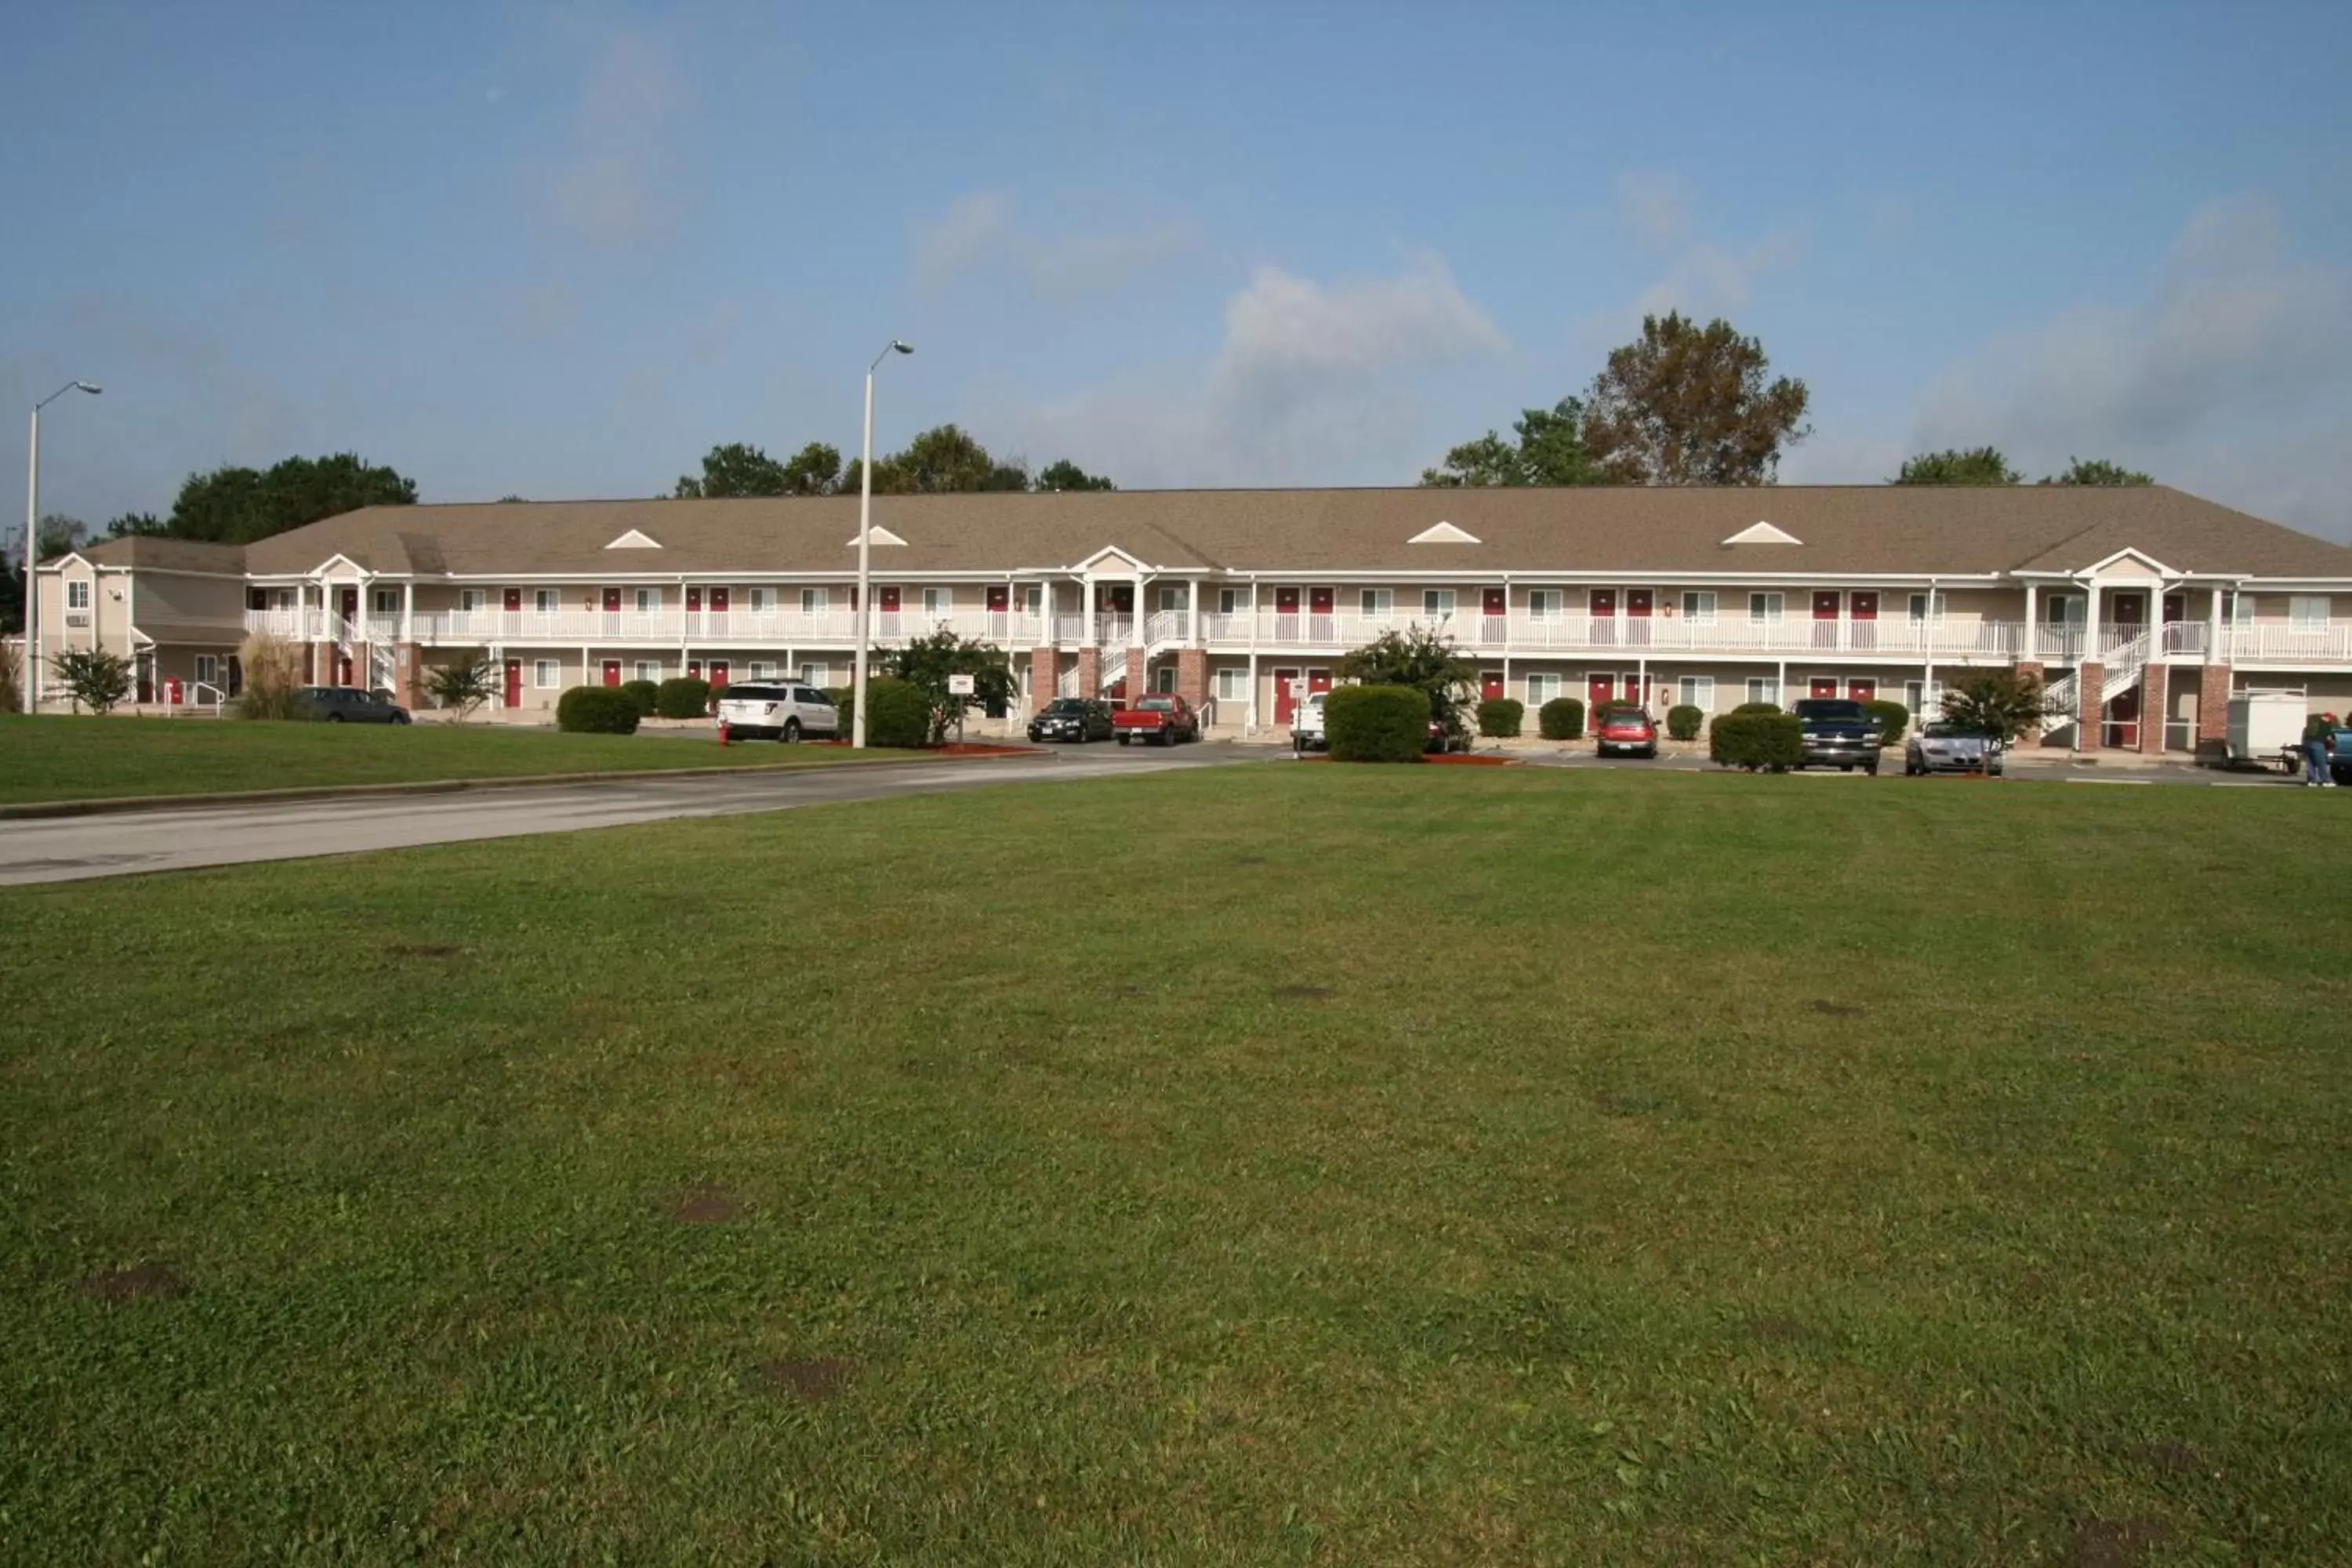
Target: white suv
column 786, row 711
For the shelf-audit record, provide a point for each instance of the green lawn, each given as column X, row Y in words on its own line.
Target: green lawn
column 1253, row 1165
column 53, row 758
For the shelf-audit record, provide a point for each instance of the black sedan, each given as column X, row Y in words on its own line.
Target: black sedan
column 349, row 705
column 1076, row 718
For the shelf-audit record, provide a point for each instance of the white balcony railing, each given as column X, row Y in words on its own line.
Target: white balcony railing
column 1531, row 633
column 2289, row 642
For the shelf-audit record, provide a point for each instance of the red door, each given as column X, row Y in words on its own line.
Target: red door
column 1285, row 601
column 1000, row 599
column 1494, row 603
column 1598, row 689
column 512, row 599
column 718, row 601
column 1862, row 615
column 1862, row 691
column 349, row 598
column 2123, row 722
column 718, row 666
column 1317, row 680
column 2176, row 608
column 514, row 683
column 2130, row 609
column 1321, row 601
column 1604, row 615
column 343, row 670
column 1285, row 704
column 1821, row 686
column 1490, row 684
column 611, row 672
column 886, row 600
column 694, row 669
column 1638, row 604
column 611, row 601
column 694, row 601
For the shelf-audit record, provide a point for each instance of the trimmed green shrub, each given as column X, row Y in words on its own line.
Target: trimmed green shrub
column 1376, row 723
column 644, row 693
column 1561, row 719
column 1758, row 708
column 683, row 697
column 1892, row 719
column 897, row 713
column 844, row 699
column 1774, row 742
column 597, row 710
column 1684, row 720
column 1499, row 718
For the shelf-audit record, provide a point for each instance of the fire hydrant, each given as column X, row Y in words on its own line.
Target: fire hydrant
column 722, row 731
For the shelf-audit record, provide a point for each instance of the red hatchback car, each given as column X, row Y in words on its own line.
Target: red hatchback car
column 1622, row 730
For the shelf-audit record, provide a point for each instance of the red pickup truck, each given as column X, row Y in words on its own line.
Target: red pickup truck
column 1161, row 718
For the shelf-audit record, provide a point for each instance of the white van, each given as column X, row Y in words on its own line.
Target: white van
column 759, row 709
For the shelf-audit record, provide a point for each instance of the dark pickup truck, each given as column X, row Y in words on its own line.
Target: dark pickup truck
column 1839, row 734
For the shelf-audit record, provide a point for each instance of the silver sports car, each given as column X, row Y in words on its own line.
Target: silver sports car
column 1948, row 749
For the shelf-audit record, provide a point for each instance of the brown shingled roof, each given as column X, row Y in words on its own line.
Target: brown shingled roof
column 1859, row 529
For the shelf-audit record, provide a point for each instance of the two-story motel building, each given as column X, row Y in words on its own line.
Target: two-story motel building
column 2143, row 608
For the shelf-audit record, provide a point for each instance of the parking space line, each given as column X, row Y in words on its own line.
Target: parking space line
column 2112, row 781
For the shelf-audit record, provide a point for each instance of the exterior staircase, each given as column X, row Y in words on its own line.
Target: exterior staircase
column 1114, row 669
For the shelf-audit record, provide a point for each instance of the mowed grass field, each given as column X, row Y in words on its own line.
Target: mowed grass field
column 59, row 758
column 1253, row 1165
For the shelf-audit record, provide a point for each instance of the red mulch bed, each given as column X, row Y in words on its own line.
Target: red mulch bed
column 952, row 749
column 1455, row 759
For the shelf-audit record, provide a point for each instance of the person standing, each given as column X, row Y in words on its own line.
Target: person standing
column 2318, row 745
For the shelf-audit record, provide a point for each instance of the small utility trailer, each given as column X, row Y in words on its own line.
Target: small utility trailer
column 2266, row 729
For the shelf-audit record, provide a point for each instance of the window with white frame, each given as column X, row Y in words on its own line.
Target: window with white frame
column 813, row 673
column 1926, row 607
column 1545, row 688
column 761, row 600
column 470, row 599
column 1763, row 689
column 77, row 595
column 648, row 669
column 1699, row 604
column 2065, row 609
column 282, row 598
column 1546, row 603
column 815, row 601
column 1437, row 603
column 1163, row 677
column 648, row 600
column 1033, row 598
column 763, row 669
column 1170, row 598
column 1229, row 601
column 387, row 601
column 1377, row 603
column 545, row 600
column 2238, row 609
column 1695, row 691
column 2308, row 611
column 1766, row 607
column 1232, row 685
column 938, row 603
column 1924, row 697
column 208, row 668
column 545, row 673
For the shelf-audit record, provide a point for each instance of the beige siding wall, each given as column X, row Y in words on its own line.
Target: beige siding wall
column 166, row 596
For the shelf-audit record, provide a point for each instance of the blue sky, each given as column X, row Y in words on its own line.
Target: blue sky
column 560, row 250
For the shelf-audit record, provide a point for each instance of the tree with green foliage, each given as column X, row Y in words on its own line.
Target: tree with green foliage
column 942, row 460
column 1424, row 658
column 136, row 525
column 1064, row 475
column 463, row 687
column 1997, row 702
column 1550, row 451
column 1977, row 466
column 2098, row 471
column 735, row 468
column 235, row 505
column 93, row 678
column 926, row 663
column 1689, row 405
column 59, row 534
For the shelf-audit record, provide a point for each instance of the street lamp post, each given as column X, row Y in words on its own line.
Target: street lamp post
column 865, row 551
column 33, row 547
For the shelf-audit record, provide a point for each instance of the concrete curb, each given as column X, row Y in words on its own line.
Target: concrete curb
column 108, row 805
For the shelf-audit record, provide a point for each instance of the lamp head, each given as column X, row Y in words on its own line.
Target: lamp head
column 898, row 345
column 91, row 387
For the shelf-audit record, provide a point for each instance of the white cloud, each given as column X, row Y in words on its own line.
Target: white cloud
column 609, row 185
column 1312, row 383
column 1708, row 280
column 985, row 230
column 2235, row 337
column 1654, row 206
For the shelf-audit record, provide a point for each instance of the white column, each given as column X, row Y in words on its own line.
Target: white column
column 1086, row 621
column 408, row 611
column 2213, row 654
column 2033, row 644
column 2091, row 645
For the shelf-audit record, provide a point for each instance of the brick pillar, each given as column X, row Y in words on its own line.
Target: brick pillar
column 408, row 663
column 1138, row 667
column 1044, row 670
column 2213, row 711
column 2155, row 692
column 2091, row 699
column 2030, row 669
column 1090, row 672
column 1193, row 676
